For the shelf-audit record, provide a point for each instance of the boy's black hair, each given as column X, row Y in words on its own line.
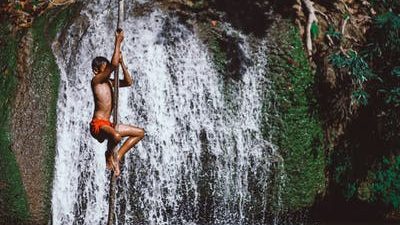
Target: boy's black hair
column 96, row 63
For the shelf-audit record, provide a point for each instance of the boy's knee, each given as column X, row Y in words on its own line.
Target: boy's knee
column 117, row 137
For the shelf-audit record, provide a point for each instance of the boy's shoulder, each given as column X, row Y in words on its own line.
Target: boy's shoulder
column 95, row 82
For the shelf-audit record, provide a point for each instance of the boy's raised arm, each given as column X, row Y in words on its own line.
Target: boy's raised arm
column 127, row 81
column 119, row 37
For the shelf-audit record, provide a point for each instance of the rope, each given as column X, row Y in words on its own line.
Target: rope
column 113, row 179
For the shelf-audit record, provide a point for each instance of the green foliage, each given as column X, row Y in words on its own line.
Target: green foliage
column 388, row 20
column 314, row 30
column 299, row 135
column 389, row 23
column 11, row 188
column 386, row 185
column 336, row 35
column 343, row 173
column 350, row 190
column 393, row 97
column 385, row 44
column 220, row 57
column 342, row 168
column 357, row 66
column 199, row 4
column 385, row 37
column 358, row 70
column 396, row 71
column 385, row 5
column 360, row 166
column 36, row 2
column 44, row 68
column 17, row 6
column 360, row 96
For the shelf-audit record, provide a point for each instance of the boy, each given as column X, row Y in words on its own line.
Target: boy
column 100, row 127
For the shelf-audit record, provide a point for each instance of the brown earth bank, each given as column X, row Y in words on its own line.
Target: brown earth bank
column 33, row 107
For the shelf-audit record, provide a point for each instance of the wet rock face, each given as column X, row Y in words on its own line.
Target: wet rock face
column 236, row 61
column 33, row 112
column 27, row 119
column 251, row 16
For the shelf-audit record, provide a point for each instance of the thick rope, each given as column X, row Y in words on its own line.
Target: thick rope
column 113, row 179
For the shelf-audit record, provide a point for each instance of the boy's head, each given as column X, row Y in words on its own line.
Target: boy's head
column 99, row 64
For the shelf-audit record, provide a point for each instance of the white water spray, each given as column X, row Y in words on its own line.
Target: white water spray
column 203, row 160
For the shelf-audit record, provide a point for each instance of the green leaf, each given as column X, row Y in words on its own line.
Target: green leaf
column 360, row 97
column 333, row 33
column 338, row 60
column 396, row 71
column 18, row 6
column 314, row 30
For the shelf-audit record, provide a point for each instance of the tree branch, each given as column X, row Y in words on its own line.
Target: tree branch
column 309, row 5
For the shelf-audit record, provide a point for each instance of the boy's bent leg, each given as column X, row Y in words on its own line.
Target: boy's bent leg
column 110, row 133
column 113, row 138
column 135, row 135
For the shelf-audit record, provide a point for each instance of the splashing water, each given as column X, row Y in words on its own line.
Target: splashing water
column 203, row 160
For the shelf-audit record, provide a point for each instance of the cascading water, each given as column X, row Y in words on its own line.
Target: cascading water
column 203, row 160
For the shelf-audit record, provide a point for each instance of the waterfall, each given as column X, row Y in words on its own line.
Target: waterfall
column 203, row 159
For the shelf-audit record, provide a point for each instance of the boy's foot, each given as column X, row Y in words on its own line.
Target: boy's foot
column 112, row 163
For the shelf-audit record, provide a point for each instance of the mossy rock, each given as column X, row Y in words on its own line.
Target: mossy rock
column 296, row 130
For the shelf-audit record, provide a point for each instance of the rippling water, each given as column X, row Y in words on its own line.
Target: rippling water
column 204, row 159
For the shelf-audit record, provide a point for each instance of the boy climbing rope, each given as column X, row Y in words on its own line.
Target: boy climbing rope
column 102, row 87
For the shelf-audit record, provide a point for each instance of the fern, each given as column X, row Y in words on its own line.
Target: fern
column 333, row 33
column 386, row 184
column 393, row 97
column 396, row 71
column 388, row 20
column 359, row 72
column 387, row 33
column 359, row 96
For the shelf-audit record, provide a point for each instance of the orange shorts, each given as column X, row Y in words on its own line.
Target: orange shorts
column 95, row 126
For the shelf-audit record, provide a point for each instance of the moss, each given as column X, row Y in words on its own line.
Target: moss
column 45, row 68
column 45, row 73
column 297, row 131
column 13, row 201
column 212, row 37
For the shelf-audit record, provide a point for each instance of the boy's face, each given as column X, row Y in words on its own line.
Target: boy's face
column 100, row 69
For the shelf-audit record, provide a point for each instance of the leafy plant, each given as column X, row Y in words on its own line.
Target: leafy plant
column 387, row 182
column 392, row 5
column 360, row 96
column 333, row 33
column 350, row 190
column 393, row 97
column 314, row 30
column 358, row 70
column 396, row 71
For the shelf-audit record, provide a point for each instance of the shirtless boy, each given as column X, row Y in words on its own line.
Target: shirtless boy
column 102, row 86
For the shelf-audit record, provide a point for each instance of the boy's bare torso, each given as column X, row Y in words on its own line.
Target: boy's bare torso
column 103, row 98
